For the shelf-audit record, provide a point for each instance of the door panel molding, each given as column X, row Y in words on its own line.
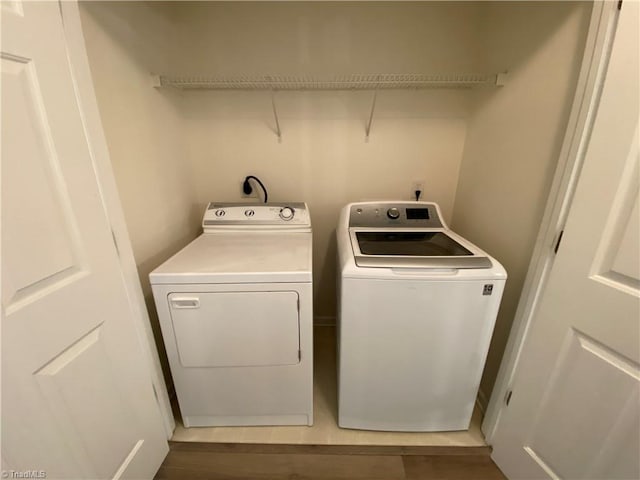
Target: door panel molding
column 44, row 250
column 614, row 408
column 617, row 261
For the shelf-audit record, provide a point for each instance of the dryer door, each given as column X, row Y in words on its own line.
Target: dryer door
column 227, row 329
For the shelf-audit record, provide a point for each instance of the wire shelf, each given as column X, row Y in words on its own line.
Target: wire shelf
column 374, row 82
column 387, row 81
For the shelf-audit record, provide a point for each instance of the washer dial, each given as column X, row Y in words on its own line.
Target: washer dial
column 393, row 213
column 287, row 213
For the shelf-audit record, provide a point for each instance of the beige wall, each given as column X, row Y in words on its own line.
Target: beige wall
column 126, row 41
column 486, row 156
column 514, row 139
column 323, row 157
column 325, row 38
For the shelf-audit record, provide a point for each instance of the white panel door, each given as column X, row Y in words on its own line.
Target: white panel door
column 77, row 398
column 574, row 411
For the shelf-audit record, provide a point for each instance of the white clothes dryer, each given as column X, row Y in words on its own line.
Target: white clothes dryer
column 416, row 309
column 235, row 309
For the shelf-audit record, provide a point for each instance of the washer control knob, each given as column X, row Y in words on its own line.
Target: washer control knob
column 393, row 213
column 249, row 213
column 287, row 213
column 220, row 213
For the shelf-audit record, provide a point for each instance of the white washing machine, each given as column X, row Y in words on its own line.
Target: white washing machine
column 416, row 310
column 235, row 309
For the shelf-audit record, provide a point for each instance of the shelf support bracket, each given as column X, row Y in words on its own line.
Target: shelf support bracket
column 156, row 81
column 373, row 109
column 275, row 115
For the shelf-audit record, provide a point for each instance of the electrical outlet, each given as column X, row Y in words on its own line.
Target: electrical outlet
column 415, row 186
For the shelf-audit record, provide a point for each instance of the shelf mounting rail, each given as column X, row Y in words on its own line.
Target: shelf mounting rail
column 375, row 82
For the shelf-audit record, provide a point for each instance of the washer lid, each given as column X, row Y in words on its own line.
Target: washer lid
column 251, row 257
column 436, row 248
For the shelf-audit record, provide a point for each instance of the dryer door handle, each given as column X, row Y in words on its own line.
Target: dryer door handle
column 185, row 302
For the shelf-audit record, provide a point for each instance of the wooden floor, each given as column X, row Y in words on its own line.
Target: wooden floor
column 215, row 461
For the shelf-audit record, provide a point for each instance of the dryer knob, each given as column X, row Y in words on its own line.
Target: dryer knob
column 393, row 213
column 286, row 213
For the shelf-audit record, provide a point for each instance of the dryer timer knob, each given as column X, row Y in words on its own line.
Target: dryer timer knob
column 286, row 213
column 393, row 213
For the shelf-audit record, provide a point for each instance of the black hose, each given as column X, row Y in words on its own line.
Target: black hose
column 246, row 186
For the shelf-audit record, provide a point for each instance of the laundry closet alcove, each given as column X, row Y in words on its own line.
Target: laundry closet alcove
column 195, row 96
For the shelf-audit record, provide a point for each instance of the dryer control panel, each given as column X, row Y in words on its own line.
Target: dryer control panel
column 395, row 214
column 259, row 216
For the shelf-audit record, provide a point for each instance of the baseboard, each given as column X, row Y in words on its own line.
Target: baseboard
column 274, row 448
column 323, row 321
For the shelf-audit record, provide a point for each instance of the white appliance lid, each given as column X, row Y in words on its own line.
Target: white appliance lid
column 417, row 248
column 240, row 257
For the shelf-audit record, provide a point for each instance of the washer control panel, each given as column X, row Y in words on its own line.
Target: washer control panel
column 244, row 215
column 395, row 214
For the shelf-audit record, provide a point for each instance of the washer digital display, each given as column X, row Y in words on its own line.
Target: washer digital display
column 417, row 214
